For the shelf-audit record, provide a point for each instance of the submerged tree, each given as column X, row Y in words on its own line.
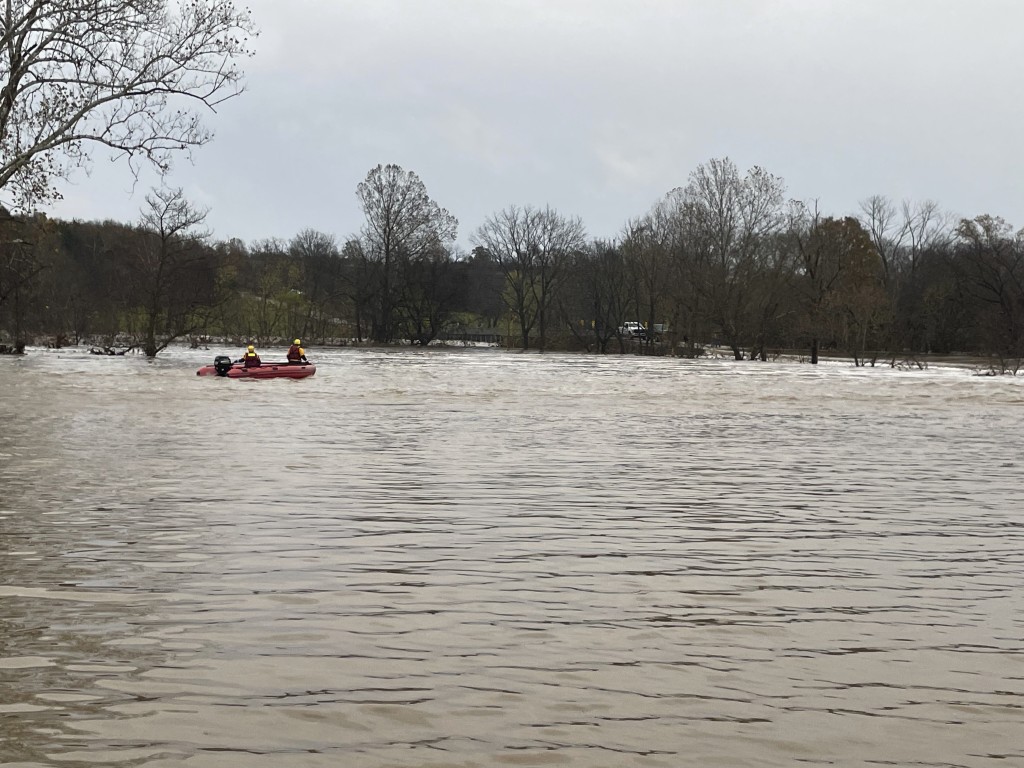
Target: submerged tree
column 599, row 297
column 272, row 277
column 432, row 284
column 402, row 223
column 174, row 277
column 727, row 222
column 533, row 248
column 990, row 260
column 19, row 267
column 124, row 74
column 317, row 256
column 904, row 239
column 840, row 281
column 647, row 247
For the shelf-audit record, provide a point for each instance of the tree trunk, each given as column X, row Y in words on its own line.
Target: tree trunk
column 150, row 345
column 525, row 330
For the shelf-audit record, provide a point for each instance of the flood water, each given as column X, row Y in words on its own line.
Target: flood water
column 461, row 558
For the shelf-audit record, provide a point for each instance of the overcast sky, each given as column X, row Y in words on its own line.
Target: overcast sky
column 600, row 107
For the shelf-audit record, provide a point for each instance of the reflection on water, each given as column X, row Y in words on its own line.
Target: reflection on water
column 481, row 558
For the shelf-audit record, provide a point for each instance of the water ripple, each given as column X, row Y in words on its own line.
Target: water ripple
column 464, row 558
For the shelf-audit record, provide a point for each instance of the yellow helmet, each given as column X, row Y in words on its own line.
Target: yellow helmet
column 252, row 348
column 297, row 342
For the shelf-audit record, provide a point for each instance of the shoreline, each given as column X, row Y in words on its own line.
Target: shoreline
column 989, row 366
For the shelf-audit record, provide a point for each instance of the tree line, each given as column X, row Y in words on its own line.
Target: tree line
column 725, row 259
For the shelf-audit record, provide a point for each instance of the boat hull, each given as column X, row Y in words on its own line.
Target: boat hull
column 264, row 371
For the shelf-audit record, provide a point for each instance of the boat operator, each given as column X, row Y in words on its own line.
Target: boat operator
column 296, row 354
column 250, row 359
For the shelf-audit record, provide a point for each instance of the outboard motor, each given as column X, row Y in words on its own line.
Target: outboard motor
column 222, row 364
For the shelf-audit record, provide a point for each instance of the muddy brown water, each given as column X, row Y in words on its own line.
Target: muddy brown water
column 482, row 558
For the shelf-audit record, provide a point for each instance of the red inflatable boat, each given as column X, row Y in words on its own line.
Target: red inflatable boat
column 222, row 366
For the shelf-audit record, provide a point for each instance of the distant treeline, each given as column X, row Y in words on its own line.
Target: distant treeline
column 726, row 259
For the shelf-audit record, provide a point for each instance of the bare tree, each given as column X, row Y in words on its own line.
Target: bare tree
column 771, row 297
column 175, row 278
column 839, row 281
column 599, row 297
column 927, row 226
column 991, row 264
column 19, row 267
column 317, row 253
column 533, row 248
column 401, row 222
column 273, row 275
column 728, row 219
column 505, row 239
column 887, row 232
column 646, row 244
column 125, row 74
column 430, row 289
column 902, row 238
column 360, row 284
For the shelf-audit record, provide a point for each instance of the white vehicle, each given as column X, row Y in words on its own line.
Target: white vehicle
column 633, row 330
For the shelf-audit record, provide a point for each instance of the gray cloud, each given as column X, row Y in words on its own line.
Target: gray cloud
column 599, row 107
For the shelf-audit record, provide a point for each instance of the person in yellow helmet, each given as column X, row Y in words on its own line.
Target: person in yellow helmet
column 296, row 354
column 250, row 359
